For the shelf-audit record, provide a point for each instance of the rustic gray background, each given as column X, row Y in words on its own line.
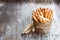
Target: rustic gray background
column 15, row 17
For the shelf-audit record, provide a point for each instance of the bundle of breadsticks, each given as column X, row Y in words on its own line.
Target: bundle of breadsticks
column 40, row 16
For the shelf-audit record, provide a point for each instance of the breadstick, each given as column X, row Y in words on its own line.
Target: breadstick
column 34, row 13
column 33, row 29
column 27, row 29
column 51, row 15
column 44, row 18
column 40, row 12
column 46, row 13
column 40, row 20
column 43, row 12
column 43, row 21
column 35, row 18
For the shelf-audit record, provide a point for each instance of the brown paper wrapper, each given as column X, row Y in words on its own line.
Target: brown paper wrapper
column 42, row 28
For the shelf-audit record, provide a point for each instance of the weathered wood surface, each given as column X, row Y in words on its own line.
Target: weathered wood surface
column 21, row 15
